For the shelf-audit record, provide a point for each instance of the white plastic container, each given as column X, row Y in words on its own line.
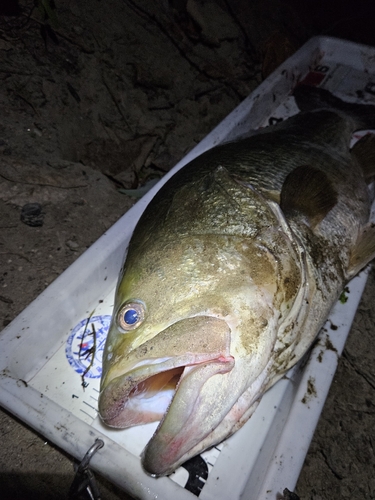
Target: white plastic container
column 39, row 359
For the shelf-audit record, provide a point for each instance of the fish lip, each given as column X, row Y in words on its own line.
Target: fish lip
column 115, row 400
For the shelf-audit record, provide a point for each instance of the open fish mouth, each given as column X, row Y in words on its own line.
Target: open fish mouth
column 152, row 387
column 145, row 395
column 151, row 374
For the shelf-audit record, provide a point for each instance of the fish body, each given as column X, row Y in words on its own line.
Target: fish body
column 230, row 274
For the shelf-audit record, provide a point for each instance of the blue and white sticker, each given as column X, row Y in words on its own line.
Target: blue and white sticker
column 88, row 336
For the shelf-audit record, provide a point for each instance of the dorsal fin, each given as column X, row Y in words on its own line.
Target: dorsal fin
column 314, row 98
column 364, row 152
column 308, row 191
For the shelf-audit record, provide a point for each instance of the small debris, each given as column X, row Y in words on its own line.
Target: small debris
column 32, row 215
column 72, row 245
column 333, row 326
column 329, row 346
column 310, row 392
column 289, row 495
column 343, row 297
column 7, row 300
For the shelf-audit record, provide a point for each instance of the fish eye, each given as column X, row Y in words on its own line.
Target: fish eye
column 131, row 315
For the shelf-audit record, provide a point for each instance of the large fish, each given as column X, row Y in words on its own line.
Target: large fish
column 230, row 274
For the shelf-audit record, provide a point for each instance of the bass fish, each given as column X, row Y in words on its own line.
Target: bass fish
column 231, row 272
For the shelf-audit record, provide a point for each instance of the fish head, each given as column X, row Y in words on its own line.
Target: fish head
column 194, row 325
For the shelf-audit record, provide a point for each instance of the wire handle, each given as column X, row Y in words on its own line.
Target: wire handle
column 84, row 481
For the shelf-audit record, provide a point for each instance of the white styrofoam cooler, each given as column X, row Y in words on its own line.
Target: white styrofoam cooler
column 39, row 375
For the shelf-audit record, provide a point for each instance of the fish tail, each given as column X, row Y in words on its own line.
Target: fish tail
column 315, row 98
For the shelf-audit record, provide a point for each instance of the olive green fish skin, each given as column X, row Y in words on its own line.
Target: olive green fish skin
column 220, row 241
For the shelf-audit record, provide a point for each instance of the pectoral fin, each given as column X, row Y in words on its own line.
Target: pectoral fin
column 364, row 152
column 363, row 251
column 308, row 191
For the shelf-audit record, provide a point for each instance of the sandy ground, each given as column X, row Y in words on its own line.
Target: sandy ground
column 109, row 94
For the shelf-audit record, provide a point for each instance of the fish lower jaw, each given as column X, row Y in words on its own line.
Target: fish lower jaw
column 146, row 402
